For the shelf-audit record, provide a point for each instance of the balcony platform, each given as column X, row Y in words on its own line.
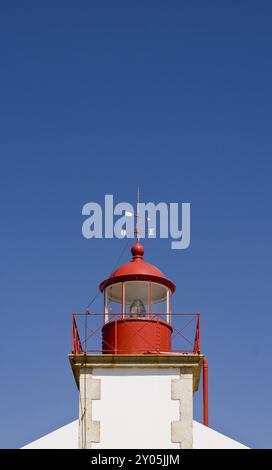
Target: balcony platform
column 162, row 360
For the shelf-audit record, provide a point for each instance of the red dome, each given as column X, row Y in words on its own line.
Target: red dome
column 137, row 269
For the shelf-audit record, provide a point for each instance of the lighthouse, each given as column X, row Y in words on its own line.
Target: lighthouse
column 137, row 391
column 137, row 369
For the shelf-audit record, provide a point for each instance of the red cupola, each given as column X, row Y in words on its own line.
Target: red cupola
column 137, row 308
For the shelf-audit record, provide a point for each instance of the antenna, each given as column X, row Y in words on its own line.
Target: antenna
column 137, row 216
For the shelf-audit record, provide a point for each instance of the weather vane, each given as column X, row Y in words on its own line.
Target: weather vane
column 137, row 232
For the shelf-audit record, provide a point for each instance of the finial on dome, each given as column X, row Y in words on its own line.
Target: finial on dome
column 137, row 251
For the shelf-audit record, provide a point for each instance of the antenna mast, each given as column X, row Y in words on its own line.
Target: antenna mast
column 137, row 216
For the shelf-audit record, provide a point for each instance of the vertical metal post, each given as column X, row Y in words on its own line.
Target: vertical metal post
column 198, row 334
column 115, row 335
column 73, row 333
column 149, row 299
column 85, row 333
column 123, row 300
column 106, row 308
column 168, row 306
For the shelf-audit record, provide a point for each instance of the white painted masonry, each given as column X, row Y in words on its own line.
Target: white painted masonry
column 136, row 402
column 66, row 437
column 207, row 438
column 135, row 409
column 89, row 390
column 182, row 390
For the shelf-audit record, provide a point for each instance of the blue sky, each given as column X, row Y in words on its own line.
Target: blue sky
column 98, row 98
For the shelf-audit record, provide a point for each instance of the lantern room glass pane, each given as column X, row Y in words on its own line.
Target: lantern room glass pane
column 113, row 301
column 142, row 299
column 159, row 293
column 159, row 301
column 136, row 299
column 146, row 299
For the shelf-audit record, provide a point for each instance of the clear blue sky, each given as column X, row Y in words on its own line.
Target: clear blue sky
column 98, row 97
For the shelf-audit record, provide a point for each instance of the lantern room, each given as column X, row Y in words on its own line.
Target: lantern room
column 137, row 308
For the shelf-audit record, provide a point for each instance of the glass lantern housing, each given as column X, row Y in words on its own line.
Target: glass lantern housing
column 137, row 299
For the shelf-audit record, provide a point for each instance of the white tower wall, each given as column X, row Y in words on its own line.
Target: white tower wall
column 124, row 407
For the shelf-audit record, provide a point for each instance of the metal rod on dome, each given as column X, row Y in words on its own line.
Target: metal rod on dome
column 137, row 216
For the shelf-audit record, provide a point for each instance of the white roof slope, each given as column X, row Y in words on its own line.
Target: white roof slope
column 207, row 438
column 66, row 437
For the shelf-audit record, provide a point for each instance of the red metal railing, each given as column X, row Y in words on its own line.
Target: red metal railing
column 76, row 343
column 80, row 346
column 83, row 333
column 197, row 336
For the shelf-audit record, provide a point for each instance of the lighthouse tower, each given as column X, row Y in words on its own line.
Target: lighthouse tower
column 136, row 390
